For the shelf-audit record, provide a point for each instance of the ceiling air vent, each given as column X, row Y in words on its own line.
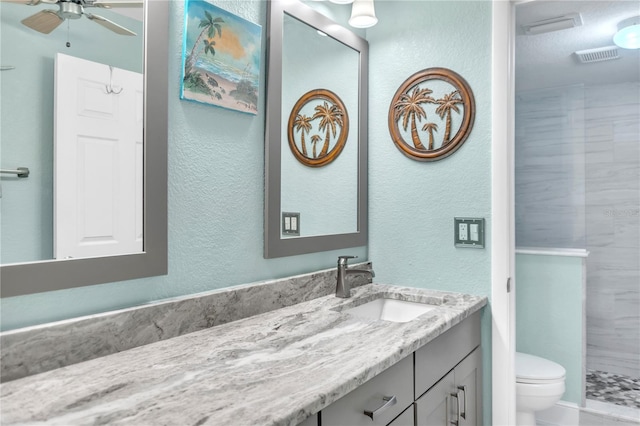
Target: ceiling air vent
column 606, row 53
column 553, row 24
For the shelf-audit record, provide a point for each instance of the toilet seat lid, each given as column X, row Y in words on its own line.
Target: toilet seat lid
column 533, row 369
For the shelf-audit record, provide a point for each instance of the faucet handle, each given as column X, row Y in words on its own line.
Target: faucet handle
column 342, row 260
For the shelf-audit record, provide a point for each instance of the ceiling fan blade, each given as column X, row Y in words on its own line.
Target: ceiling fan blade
column 25, row 2
column 44, row 21
column 118, row 29
column 115, row 4
column 30, row 2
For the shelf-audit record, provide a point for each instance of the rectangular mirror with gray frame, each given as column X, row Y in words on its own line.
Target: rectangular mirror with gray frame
column 33, row 54
column 316, row 133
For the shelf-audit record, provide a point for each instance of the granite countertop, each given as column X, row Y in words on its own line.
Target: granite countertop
column 276, row 368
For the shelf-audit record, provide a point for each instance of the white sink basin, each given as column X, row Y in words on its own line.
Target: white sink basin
column 390, row 310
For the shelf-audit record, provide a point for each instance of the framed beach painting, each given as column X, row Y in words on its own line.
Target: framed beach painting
column 220, row 58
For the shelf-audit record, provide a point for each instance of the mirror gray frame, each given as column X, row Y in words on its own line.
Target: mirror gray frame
column 35, row 277
column 274, row 244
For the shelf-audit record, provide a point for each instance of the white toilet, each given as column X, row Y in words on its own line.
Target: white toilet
column 539, row 385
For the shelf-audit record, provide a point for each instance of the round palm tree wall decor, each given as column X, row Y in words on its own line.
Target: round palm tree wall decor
column 431, row 114
column 318, row 128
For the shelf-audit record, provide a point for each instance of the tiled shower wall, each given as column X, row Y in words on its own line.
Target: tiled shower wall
column 549, row 163
column 612, row 117
column 578, row 185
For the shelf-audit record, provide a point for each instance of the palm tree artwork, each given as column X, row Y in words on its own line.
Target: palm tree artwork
column 302, row 124
column 440, row 98
column 446, row 104
column 314, row 141
column 319, row 112
column 330, row 118
column 409, row 109
column 210, row 26
column 220, row 61
column 430, row 128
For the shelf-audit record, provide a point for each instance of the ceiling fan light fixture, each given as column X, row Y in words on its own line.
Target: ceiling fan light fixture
column 70, row 10
column 628, row 35
column 363, row 14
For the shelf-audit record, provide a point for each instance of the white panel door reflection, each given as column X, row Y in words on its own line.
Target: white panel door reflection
column 98, row 159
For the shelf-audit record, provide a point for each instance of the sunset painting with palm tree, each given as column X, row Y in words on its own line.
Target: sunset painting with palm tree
column 321, row 114
column 221, row 58
column 434, row 107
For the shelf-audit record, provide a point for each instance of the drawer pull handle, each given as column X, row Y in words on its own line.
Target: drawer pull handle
column 388, row 402
column 464, row 404
column 456, row 422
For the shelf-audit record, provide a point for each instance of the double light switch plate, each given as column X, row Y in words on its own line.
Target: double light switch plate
column 468, row 232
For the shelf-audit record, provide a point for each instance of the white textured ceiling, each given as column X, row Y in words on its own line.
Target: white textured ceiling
column 548, row 60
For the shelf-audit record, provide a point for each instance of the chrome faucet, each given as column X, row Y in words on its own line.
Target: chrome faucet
column 342, row 287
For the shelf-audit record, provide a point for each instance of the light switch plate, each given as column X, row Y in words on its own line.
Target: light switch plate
column 290, row 223
column 468, row 232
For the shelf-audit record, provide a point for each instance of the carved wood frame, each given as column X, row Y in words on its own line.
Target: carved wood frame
column 318, row 94
column 468, row 102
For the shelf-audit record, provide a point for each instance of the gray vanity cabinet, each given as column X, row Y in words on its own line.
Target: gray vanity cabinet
column 311, row 421
column 468, row 377
column 456, row 398
column 385, row 396
column 448, row 377
column 407, row 418
column 439, row 385
column 433, row 407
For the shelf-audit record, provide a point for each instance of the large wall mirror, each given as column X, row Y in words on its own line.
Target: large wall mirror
column 70, row 88
column 316, row 136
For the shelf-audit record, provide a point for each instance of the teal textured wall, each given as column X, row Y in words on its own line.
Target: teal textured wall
column 412, row 204
column 550, row 315
column 216, row 185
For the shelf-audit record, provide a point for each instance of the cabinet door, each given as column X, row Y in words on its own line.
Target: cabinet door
column 434, row 408
column 311, row 421
column 404, row 419
column 392, row 388
column 443, row 353
column 468, row 378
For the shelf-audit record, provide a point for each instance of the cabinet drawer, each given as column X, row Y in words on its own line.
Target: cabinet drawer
column 395, row 381
column 440, row 355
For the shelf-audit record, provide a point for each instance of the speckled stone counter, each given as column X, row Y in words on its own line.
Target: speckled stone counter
column 275, row 368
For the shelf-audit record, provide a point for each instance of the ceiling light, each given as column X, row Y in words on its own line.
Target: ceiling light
column 553, row 24
column 628, row 35
column 363, row 14
column 341, row 1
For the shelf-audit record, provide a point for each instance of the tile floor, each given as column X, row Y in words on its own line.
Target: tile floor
column 612, row 400
column 595, row 414
column 613, row 388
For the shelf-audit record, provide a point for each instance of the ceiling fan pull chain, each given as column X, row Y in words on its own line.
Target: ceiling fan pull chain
column 68, row 42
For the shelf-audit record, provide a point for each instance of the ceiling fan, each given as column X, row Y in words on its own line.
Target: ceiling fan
column 47, row 20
